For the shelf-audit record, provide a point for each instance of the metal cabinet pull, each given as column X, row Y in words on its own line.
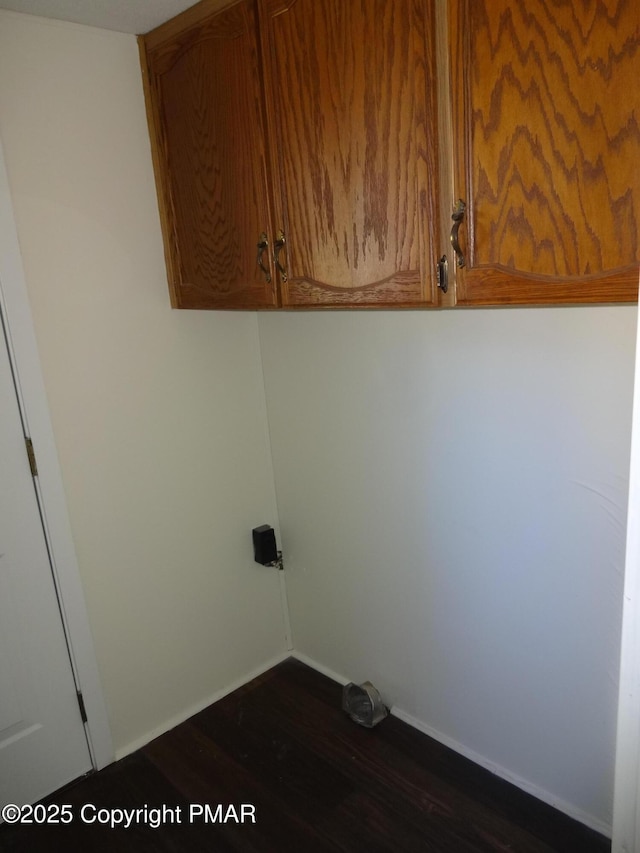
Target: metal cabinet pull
column 457, row 216
column 442, row 274
column 262, row 245
column 279, row 245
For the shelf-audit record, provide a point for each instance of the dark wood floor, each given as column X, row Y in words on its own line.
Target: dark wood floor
column 317, row 781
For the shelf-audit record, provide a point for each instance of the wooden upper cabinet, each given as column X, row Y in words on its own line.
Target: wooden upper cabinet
column 547, row 149
column 337, row 134
column 206, row 115
column 351, row 94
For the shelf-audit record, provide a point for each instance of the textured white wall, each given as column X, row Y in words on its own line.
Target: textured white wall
column 452, row 495
column 159, row 416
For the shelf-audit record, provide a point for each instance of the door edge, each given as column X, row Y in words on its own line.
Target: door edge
column 25, row 362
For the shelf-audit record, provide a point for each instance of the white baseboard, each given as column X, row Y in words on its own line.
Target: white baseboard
column 200, row 706
column 502, row 773
column 323, row 670
column 497, row 770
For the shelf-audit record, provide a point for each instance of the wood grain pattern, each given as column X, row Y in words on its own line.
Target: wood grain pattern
column 445, row 149
column 207, row 106
column 548, row 144
column 318, row 783
column 352, row 115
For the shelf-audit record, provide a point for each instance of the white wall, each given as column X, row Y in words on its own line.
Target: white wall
column 626, row 819
column 159, row 416
column 452, row 495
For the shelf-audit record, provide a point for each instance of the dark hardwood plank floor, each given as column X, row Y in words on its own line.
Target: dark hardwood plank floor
column 318, row 782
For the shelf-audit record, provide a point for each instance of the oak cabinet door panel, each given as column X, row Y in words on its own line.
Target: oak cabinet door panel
column 351, row 94
column 546, row 122
column 205, row 91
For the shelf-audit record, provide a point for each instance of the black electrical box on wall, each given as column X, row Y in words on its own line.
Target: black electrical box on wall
column 264, row 545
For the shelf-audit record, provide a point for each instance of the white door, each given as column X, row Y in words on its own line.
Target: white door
column 43, row 744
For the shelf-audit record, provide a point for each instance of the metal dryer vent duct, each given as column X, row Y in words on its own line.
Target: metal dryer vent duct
column 363, row 704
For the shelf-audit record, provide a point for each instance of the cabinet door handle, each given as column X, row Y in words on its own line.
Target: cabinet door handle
column 442, row 273
column 263, row 244
column 279, row 245
column 457, row 216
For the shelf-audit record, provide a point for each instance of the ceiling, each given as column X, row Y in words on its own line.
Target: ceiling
column 125, row 16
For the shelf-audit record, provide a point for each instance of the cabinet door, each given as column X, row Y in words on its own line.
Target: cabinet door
column 546, row 123
column 351, row 93
column 206, row 114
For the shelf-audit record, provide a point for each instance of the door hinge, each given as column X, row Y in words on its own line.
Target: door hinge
column 83, row 710
column 32, row 457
